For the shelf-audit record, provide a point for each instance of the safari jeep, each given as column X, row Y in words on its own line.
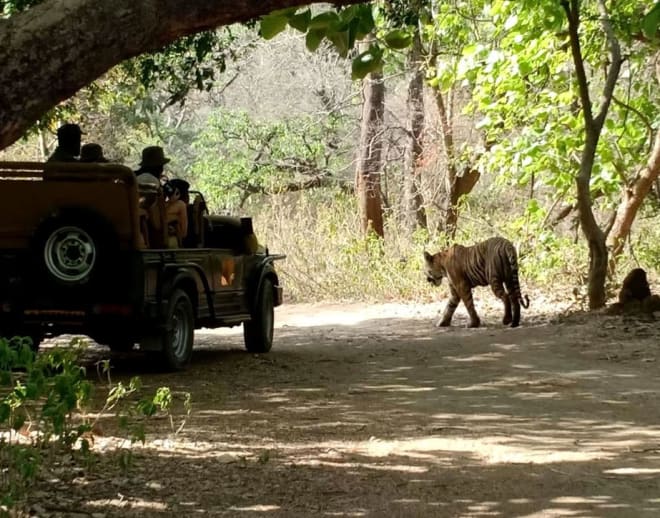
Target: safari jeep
column 82, row 252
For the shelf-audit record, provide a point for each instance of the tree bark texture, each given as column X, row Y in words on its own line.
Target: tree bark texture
column 596, row 238
column 370, row 159
column 414, row 212
column 52, row 50
column 633, row 196
column 455, row 185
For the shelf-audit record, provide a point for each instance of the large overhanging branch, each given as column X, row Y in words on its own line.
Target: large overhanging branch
column 51, row 51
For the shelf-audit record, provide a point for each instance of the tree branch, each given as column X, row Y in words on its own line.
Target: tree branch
column 573, row 16
column 615, row 64
column 52, row 50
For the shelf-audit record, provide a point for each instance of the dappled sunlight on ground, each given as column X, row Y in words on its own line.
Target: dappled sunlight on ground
column 376, row 412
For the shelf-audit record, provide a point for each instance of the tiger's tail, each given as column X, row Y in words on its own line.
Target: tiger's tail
column 513, row 262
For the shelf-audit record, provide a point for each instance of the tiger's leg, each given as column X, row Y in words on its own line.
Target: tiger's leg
column 515, row 322
column 514, row 310
column 498, row 289
column 452, row 304
column 466, row 297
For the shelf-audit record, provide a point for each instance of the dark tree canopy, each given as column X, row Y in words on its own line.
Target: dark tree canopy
column 49, row 51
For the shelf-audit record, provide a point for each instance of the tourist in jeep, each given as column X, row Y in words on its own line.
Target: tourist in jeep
column 153, row 161
column 68, row 144
column 176, row 211
column 92, row 152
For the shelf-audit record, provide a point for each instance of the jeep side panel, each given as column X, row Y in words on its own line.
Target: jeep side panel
column 213, row 279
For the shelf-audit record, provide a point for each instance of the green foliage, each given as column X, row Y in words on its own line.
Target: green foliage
column 524, row 91
column 44, row 403
column 344, row 27
column 371, row 60
column 238, row 156
column 273, row 24
column 10, row 7
column 651, row 22
column 191, row 62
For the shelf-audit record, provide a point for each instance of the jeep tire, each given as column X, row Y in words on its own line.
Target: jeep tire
column 258, row 331
column 174, row 342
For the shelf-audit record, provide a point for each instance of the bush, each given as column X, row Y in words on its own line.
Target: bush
column 328, row 258
column 45, row 404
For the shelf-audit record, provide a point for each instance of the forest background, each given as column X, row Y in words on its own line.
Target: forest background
column 449, row 122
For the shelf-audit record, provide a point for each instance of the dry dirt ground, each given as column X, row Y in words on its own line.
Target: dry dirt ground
column 370, row 410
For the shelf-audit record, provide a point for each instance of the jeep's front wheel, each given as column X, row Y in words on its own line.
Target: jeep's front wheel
column 258, row 332
column 175, row 341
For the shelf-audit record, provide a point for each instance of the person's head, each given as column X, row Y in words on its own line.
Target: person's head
column 180, row 186
column 153, row 159
column 92, row 153
column 68, row 138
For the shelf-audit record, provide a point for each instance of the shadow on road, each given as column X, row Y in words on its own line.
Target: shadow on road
column 393, row 417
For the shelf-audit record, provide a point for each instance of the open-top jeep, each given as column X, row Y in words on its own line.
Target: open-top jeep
column 84, row 250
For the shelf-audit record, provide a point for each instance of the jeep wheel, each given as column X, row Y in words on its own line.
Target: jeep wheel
column 258, row 332
column 73, row 246
column 177, row 339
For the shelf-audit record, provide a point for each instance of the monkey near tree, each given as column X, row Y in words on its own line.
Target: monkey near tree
column 493, row 263
column 635, row 294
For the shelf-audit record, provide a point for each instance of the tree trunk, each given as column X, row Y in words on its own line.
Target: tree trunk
column 593, row 127
column 455, row 185
column 633, row 196
column 414, row 212
column 52, row 50
column 370, row 160
column 592, row 232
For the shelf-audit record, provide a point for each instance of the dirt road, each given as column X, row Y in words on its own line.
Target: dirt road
column 373, row 411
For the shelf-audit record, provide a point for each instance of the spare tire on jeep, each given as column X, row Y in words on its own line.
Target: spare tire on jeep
column 73, row 246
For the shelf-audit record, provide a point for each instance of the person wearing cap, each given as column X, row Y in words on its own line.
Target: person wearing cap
column 92, row 153
column 68, row 144
column 153, row 160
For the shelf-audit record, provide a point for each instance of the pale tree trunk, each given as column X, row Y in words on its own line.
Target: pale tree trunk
column 52, row 50
column 593, row 126
column 633, row 196
column 370, row 159
column 414, row 212
column 455, row 185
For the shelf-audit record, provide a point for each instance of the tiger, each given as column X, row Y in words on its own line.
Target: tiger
column 491, row 262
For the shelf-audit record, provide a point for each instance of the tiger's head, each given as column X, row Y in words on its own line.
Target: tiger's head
column 433, row 267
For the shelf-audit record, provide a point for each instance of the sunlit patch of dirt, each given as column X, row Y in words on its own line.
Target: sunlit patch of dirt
column 370, row 410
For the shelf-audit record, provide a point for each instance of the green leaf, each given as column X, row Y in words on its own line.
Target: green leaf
column 340, row 40
column 651, row 21
column 366, row 22
column 367, row 62
column 313, row 39
column 272, row 25
column 324, row 21
column 398, row 39
column 301, row 21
